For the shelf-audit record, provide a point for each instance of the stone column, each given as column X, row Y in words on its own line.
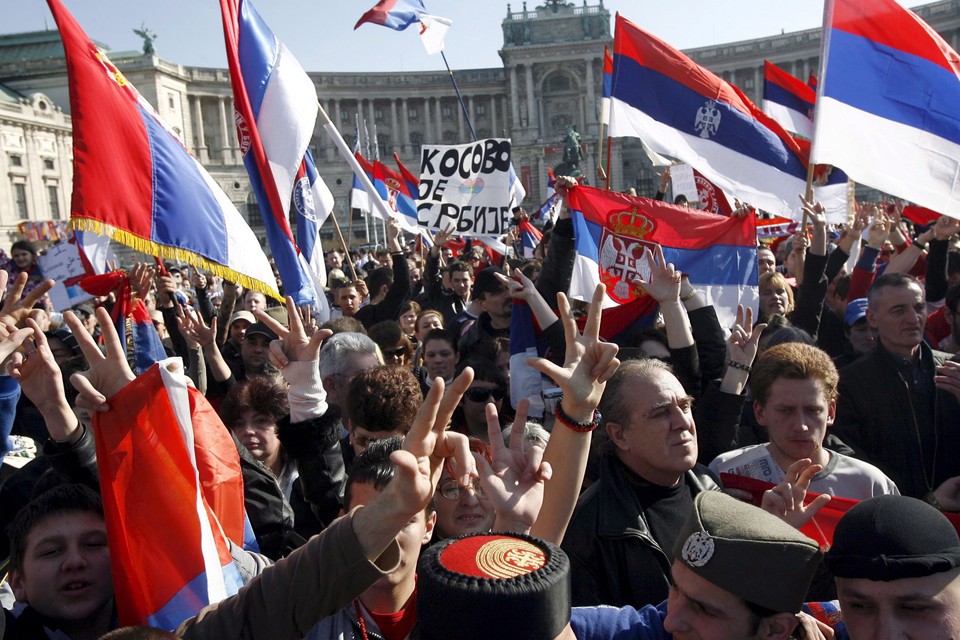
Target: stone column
column 395, row 137
column 514, row 102
column 225, row 146
column 590, row 113
column 427, row 122
column 757, row 85
column 493, row 117
column 532, row 109
column 439, row 119
column 405, row 143
column 201, row 147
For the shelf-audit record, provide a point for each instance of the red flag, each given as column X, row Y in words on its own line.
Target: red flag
column 162, row 448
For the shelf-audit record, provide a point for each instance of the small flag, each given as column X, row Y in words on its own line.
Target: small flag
column 394, row 14
column 433, row 29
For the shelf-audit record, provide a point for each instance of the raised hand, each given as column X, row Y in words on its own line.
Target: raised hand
column 743, row 343
column 194, row 328
column 948, row 494
column 294, row 344
column 514, row 482
column 108, row 372
column 141, row 279
column 428, row 443
column 41, row 381
column 15, row 310
column 664, row 283
column 786, row 499
column 588, row 363
column 945, row 227
column 10, row 337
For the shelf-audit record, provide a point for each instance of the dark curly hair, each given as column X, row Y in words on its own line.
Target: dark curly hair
column 384, row 398
column 262, row 395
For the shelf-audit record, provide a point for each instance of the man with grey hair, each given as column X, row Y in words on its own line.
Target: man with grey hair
column 626, row 523
column 342, row 357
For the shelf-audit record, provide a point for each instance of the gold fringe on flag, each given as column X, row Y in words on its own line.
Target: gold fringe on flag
column 172, row 253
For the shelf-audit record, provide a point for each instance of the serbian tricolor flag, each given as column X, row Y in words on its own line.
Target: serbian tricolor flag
column 407, row 196
column 134, row 181
column 887, row 103
column 393, row 190
column 276, row 111
column 788, row 100
column 172, row 497
column 551, row 183
column 308, row 190
column 525, row 381
column 530, row 237
column 607, row 86
column 770, row 228
column 130, row 317
column 359, row 199
column 395, row 14
column 614, row 233
column 920, row 215
column 681, row 109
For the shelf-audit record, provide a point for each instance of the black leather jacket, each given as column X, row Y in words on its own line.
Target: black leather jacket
column 613, row 557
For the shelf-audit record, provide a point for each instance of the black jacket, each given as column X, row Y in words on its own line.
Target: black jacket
column 614, row 559
column 880, row 415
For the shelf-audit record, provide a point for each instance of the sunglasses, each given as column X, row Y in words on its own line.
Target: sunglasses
column 452, row 490
column 481, row 395
column 395, row 353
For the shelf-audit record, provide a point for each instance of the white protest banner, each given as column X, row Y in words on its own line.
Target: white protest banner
column 466, row 187
column 61, row 262
column 683, row 183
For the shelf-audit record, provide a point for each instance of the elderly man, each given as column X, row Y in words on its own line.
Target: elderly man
column 626, row 523
column 890, row 410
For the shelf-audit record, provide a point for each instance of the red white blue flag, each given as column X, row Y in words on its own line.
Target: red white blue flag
column 530, row 237
column 276, row 111
column 395, row 14
column 607, row 86
column 788, row 100
column 162, row 445
column 887, row 103
column 134, row 181
column 681, row 109
column 614, row 233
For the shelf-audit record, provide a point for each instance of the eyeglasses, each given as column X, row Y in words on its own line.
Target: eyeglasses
column 452, row 490
column 480, row 394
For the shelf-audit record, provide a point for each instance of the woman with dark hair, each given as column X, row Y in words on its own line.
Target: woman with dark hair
column 252, row 409
column 488, row 386
column 23, row 259
column 394, row 345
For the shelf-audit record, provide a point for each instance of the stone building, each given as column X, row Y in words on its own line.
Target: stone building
column 550, row 78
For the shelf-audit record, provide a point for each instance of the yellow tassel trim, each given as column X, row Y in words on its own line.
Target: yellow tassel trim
column 173, row 253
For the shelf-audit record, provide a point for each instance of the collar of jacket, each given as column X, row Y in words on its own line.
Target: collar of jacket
column 619, row 512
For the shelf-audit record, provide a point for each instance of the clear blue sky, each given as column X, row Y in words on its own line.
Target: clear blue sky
column 320, row 32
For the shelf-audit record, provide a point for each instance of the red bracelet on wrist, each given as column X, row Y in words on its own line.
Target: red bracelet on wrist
column 570, row 423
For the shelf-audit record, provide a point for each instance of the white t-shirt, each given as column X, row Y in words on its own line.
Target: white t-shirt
column 842, row 476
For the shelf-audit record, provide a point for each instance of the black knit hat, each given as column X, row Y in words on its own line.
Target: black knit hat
column 893, row 537
column 490, row 585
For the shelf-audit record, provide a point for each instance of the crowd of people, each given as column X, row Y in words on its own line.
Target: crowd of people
column 397, row 488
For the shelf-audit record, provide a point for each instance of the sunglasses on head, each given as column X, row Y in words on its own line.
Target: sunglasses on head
column 481, row 395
